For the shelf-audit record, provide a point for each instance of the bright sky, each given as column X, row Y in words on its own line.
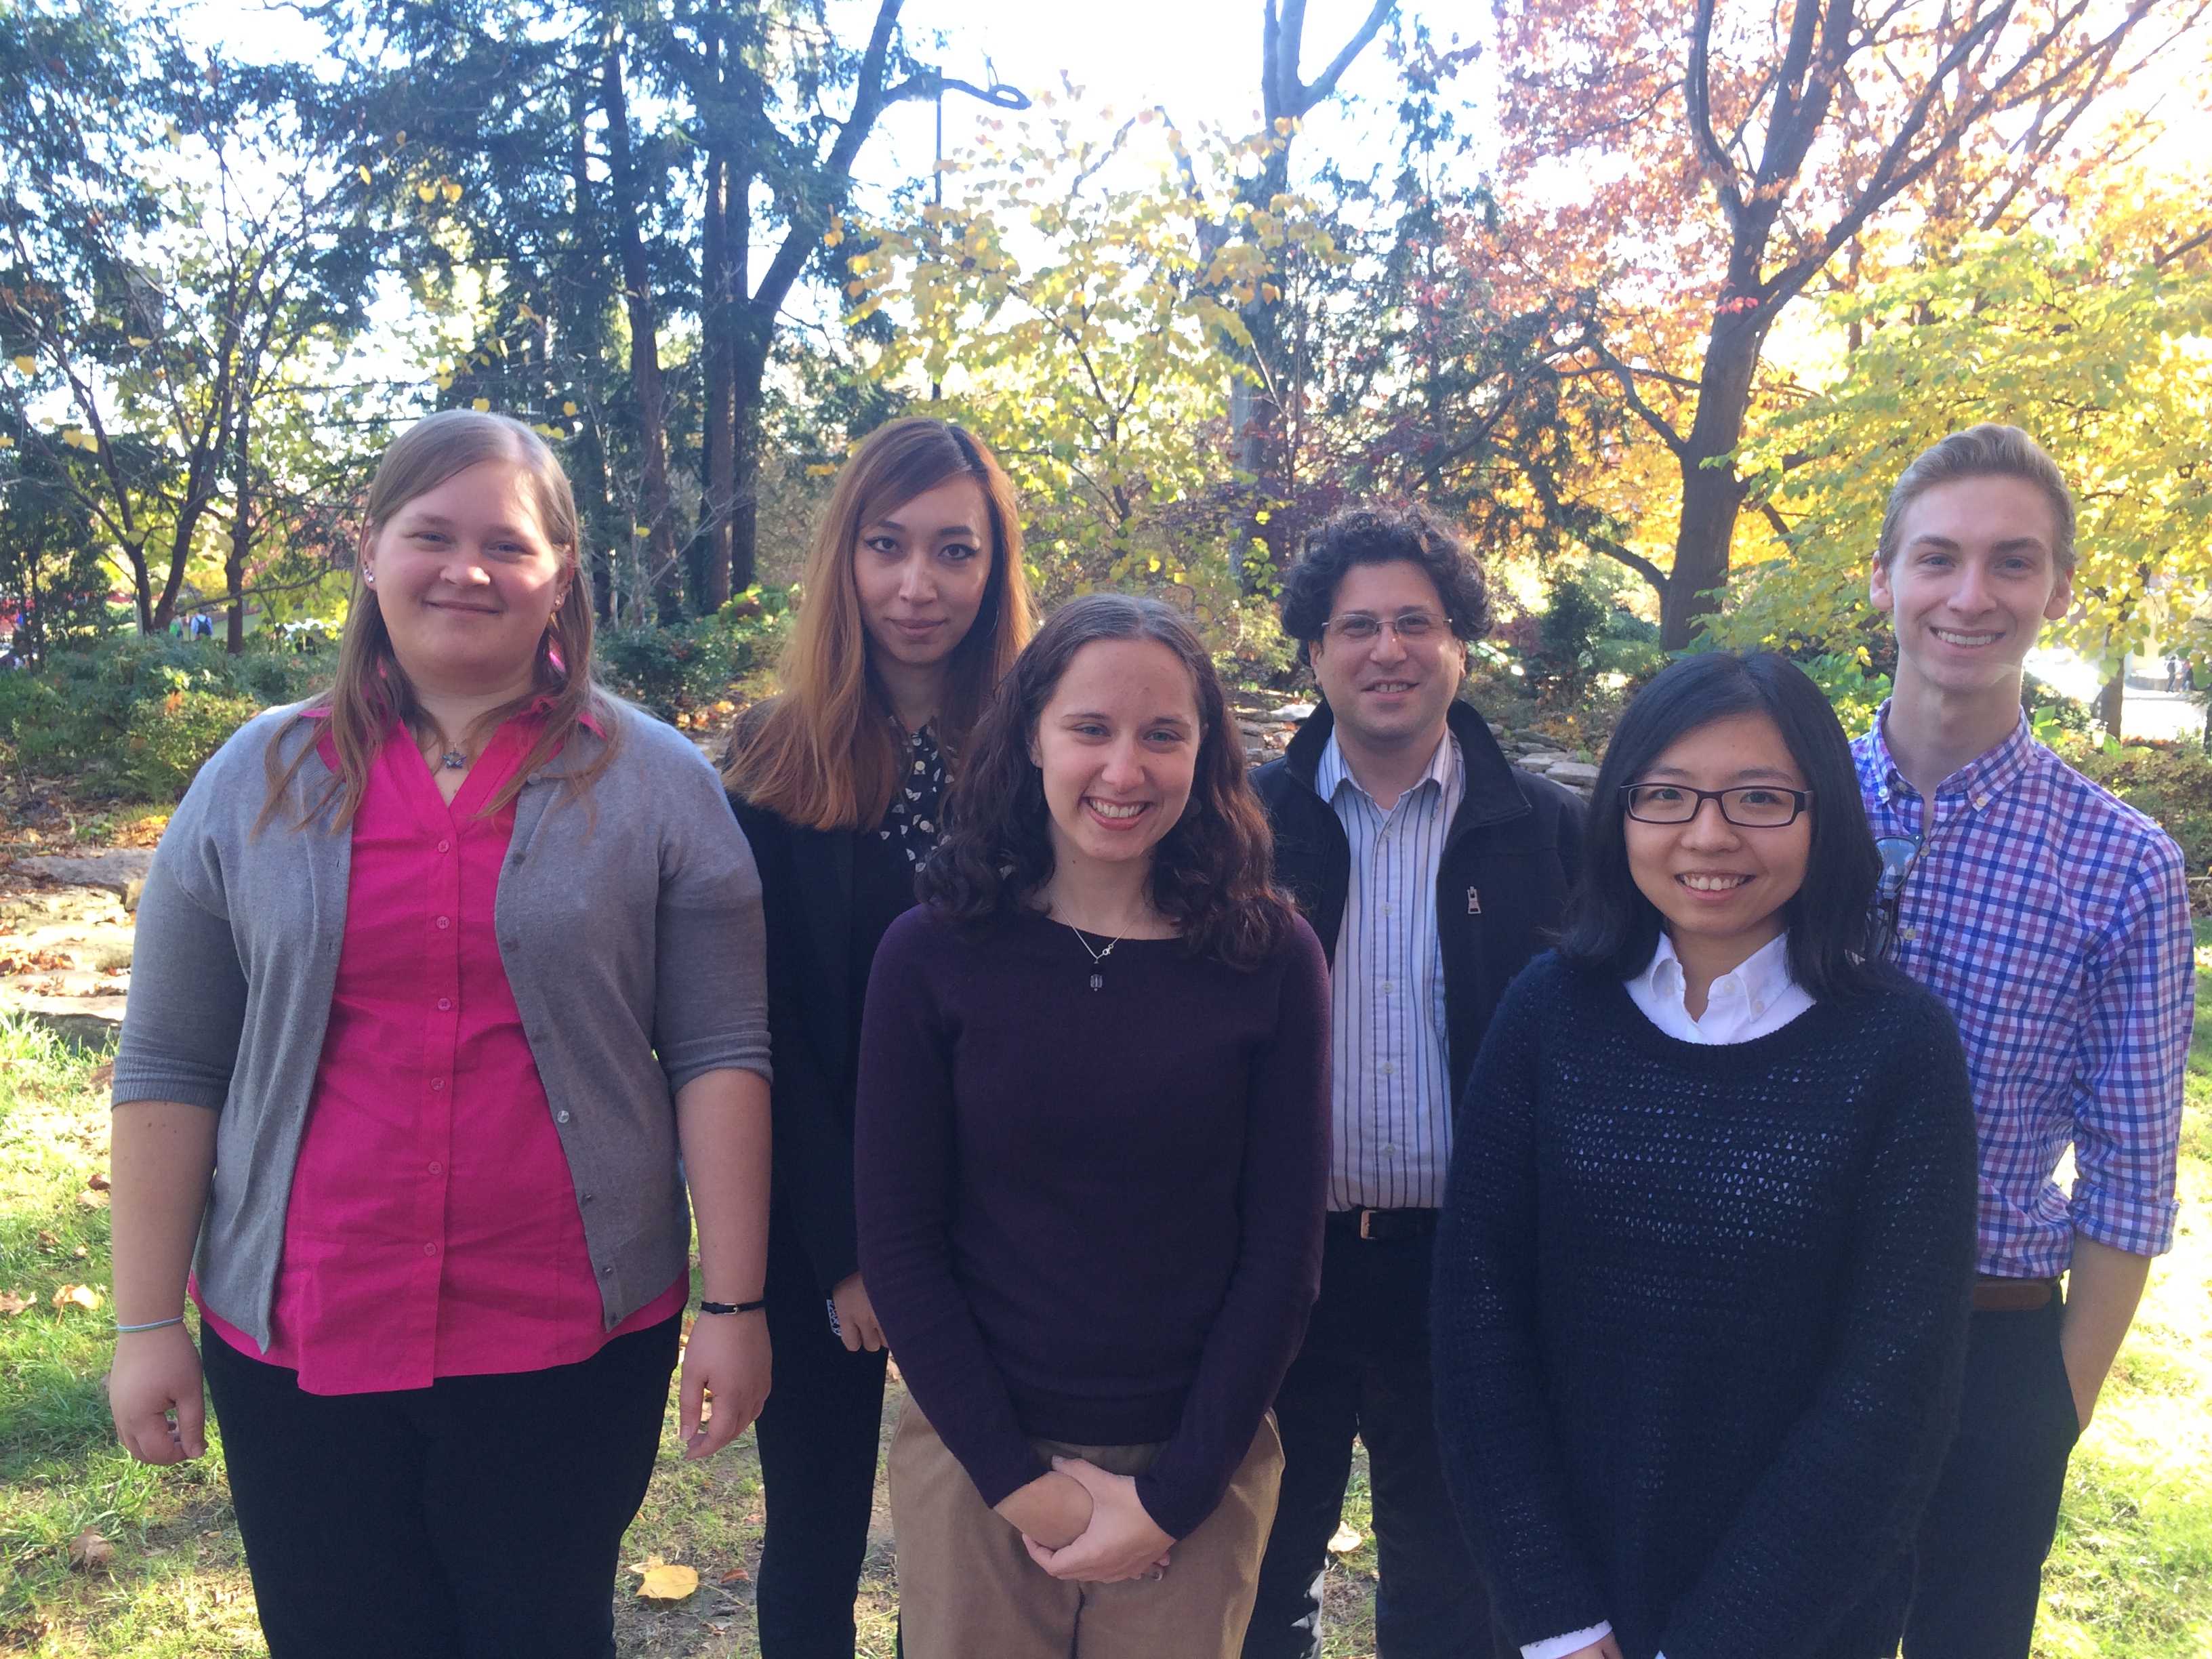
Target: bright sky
column 1198, row 57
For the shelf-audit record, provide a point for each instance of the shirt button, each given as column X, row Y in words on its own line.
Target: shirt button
column 1388, row 1068
column 1905, row 933
column 1757, row 1007
column 437, row 1083
column 607, row 1271
column 444, row 847
column 1390, row 835
column 437, row 1168
column 429, row 1249
column 445, row 921
column 560, row 1117
column 1389, row 1150
column 1387, row 987
column 1386, row 909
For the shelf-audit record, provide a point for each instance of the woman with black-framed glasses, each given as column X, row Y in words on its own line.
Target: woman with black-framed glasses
column 1703, row 1272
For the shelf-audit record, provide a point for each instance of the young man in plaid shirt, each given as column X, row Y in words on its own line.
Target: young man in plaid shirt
column 2054, row 920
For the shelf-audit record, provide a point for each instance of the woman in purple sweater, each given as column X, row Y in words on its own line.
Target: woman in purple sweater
column 1091, row 1146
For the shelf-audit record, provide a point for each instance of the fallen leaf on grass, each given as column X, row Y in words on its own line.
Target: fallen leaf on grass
column 737, row 1576
column 1344, row 1542
column 89, row 1552
column 97, row 1182
column 11, row 1304
column 77, row 1295
column 91, row 1198
column 668, row 1583
column 103, row 1075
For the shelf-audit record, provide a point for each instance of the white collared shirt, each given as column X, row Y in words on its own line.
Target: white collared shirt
column 1391, row 1095
column 1755, row 998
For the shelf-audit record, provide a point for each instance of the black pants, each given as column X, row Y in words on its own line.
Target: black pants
column 478, row 1518
column 818, row 1437
column 1979, row 1567
column 1364, row 1371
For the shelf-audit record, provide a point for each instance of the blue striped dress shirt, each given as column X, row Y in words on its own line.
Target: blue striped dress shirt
column 1391, row 1094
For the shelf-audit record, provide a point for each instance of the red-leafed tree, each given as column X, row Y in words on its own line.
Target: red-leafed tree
column 1700, row 164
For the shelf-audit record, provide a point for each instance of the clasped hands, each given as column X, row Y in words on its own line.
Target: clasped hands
column 1082, row 1524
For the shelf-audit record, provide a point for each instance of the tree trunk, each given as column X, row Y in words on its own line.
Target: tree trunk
column 242, row 540
column 719, row 279
column 644, row 349
column 743, row 389
column 1712, row 493
column 583, row 337
column 2111, row 701
column 142, row 584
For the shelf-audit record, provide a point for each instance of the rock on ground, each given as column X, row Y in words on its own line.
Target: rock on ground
column 120, row 870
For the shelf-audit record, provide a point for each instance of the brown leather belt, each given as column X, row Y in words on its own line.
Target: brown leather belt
column 1995, row 1295
column 1385, row 1226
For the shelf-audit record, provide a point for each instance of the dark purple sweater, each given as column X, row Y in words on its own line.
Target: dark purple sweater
column 1092, row 1216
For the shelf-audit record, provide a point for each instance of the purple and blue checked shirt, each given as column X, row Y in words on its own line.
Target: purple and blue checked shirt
column 2053, row 920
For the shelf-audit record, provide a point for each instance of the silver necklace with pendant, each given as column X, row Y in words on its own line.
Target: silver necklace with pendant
column 456, row 758
column 1097, row 958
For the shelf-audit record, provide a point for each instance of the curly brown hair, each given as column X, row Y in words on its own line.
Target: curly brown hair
column 1212, row 873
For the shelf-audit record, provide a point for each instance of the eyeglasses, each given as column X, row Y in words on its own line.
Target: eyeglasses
column 1410, row 627
column 1754, row 806
column 1899, row 854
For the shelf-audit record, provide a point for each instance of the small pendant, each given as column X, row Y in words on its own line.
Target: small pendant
column 1098, row 982
column 455, row 761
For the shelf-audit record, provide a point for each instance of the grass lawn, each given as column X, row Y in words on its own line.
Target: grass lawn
column 2130, row 1577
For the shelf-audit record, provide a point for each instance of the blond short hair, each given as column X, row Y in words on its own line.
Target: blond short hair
column 1987, row 450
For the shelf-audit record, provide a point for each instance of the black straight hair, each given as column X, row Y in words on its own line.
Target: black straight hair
column 1612, row 926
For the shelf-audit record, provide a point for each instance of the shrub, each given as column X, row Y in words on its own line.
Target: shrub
column 166, row 742
column 1853, row 689
column 2170, row 783
column 2051, row 712
column 138, row 714
column 668, row 670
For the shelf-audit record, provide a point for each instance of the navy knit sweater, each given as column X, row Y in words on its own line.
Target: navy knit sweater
column 1700, row 1316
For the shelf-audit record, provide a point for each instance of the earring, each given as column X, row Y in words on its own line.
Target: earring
column 369, row 576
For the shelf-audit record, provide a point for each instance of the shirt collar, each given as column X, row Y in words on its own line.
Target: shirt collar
column 1334, row 772
column 1763, row 975
column 1981, row 779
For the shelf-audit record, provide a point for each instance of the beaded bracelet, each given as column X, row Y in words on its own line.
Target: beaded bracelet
column 732, row 1307
column 127, row 1330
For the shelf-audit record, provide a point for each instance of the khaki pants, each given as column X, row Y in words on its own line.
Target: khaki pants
column 968, row 1591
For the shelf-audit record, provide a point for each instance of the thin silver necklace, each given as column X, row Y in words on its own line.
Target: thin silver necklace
column 456, row 758
column 1097, row 958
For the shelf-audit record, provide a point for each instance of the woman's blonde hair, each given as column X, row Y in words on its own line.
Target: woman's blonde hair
column 822, row 755
column 371, row 691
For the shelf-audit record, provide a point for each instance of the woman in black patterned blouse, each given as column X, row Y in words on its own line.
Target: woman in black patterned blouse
column 914, row 608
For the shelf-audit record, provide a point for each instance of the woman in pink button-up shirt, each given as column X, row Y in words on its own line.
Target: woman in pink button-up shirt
column 443, row 1270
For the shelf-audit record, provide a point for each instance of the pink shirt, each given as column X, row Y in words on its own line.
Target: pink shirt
column 432, row 1229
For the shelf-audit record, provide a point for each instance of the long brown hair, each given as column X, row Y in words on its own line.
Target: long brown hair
column 823, row 755
column 1213, row 873
column 371, row 690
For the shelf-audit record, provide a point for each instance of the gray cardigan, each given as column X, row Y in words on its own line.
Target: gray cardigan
column 629, row 925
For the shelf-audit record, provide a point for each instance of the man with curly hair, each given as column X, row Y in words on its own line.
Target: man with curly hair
column 1432, row 869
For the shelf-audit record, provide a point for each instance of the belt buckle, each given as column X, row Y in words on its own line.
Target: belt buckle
column 1366, row 1217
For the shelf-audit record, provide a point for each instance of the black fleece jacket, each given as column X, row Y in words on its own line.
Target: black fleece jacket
column 1511, row 854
